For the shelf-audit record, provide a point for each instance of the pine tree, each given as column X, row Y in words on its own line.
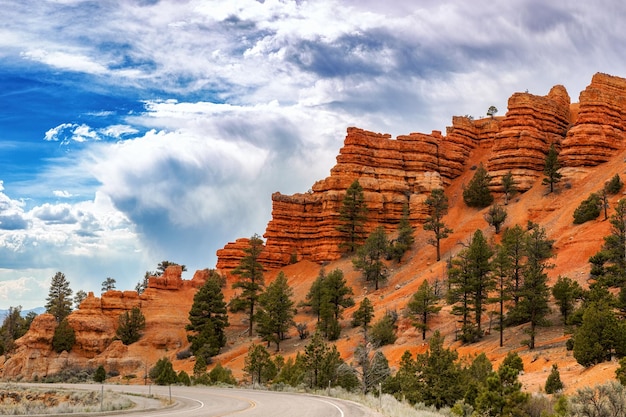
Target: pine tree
column 513, row 245
column 250, row 282
column 551, row 168
column 439, row 374
column 405, row 236
column 502, row 395
column 502, row 268
column 108, row 284
column 496, row 216
column 422, row 306
column 208, row 318
column 79, row 297
column 100, row 375
column 369, row 257
column 276, row 314
column 59, row 301
column 364, row 315
column 352, row 217
column 477, row 193
column 614, row 185
column 258, row 365
column 130, row 325
column 470, row 284
column 64, row 337
column 597, row 336
column 437, row 204
column 336, row 296
column 589, row 209
column 163, row 372
column 384, row 330
column 565, row 292
column 314, row 298
column 509, row 187
column 535, row 292
column 554, row 383
column 609, row 265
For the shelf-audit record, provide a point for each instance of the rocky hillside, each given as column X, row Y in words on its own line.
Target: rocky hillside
column 590, row 135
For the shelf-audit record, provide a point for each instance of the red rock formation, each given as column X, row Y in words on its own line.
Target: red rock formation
column 165, row 304
column 530, row 126
column 599, row 131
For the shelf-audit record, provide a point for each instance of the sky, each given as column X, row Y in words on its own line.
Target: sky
column 133, row 132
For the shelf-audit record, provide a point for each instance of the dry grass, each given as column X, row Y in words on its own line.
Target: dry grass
column 17, row 400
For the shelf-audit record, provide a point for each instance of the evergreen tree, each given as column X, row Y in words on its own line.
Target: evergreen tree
column 163, row 265
column 369, row 257
column 405, row 384
column 64, row 337
column 405, row 236
column 315, row 296
column 496, row 216
column 502, row 395
column 276, row 314
column 336, row 296
column 79, row 297
column 598, row 335
column 614, row 185
column 588, row 209
column 554, row 383
column 258, row 365
column 535, row 292
column 475, row 377
column 13, row 327
column 439, row 374
column 320, row 362
column 143, row 284
column 422, row 306
column 108, row 284
column 513, row 245
column 509, row 187
column 363, row 316
column 59, row 301
column 163, row 372
column 250, row 273
column 384, row 330
column 130, row 325
column 221, row 375
column 513, row 361
column 374, row 368
column 470, row 284
column 477, row 193
column 437, row 204
column 100, row 375
column 609, row 265
column 566, row 291
column 551, row 168
column 208, row 319
column 502, row 269
column 352, row 216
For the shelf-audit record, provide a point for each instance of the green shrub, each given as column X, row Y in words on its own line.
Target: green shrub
column 554, row 383
column 64, row 337
column 100, row 375
column 384, row 330
column 221, row 375
column 183, row 378
column 588, row 209
column 477, row 193
column 131, row 323
column 614, row 185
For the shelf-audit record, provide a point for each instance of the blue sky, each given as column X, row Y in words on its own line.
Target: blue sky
column 133, row 132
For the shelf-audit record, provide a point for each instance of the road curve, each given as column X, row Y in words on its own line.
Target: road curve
column 223, row 402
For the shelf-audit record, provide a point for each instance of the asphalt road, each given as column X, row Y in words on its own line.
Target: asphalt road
column 222, row 402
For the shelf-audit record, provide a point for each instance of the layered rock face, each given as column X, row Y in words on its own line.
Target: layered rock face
column 599, row 131
column 532, row 123
column 165, row 304
column 394, row 172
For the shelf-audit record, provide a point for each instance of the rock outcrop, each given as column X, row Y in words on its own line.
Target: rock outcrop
column 600, row 128
column 165, row 304
column 394, row 172
column 531, row 125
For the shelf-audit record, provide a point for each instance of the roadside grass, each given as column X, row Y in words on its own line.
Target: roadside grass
column 17, row 400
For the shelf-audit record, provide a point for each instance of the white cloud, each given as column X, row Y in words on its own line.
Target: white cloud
column 65, row 61
column 62, row 193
